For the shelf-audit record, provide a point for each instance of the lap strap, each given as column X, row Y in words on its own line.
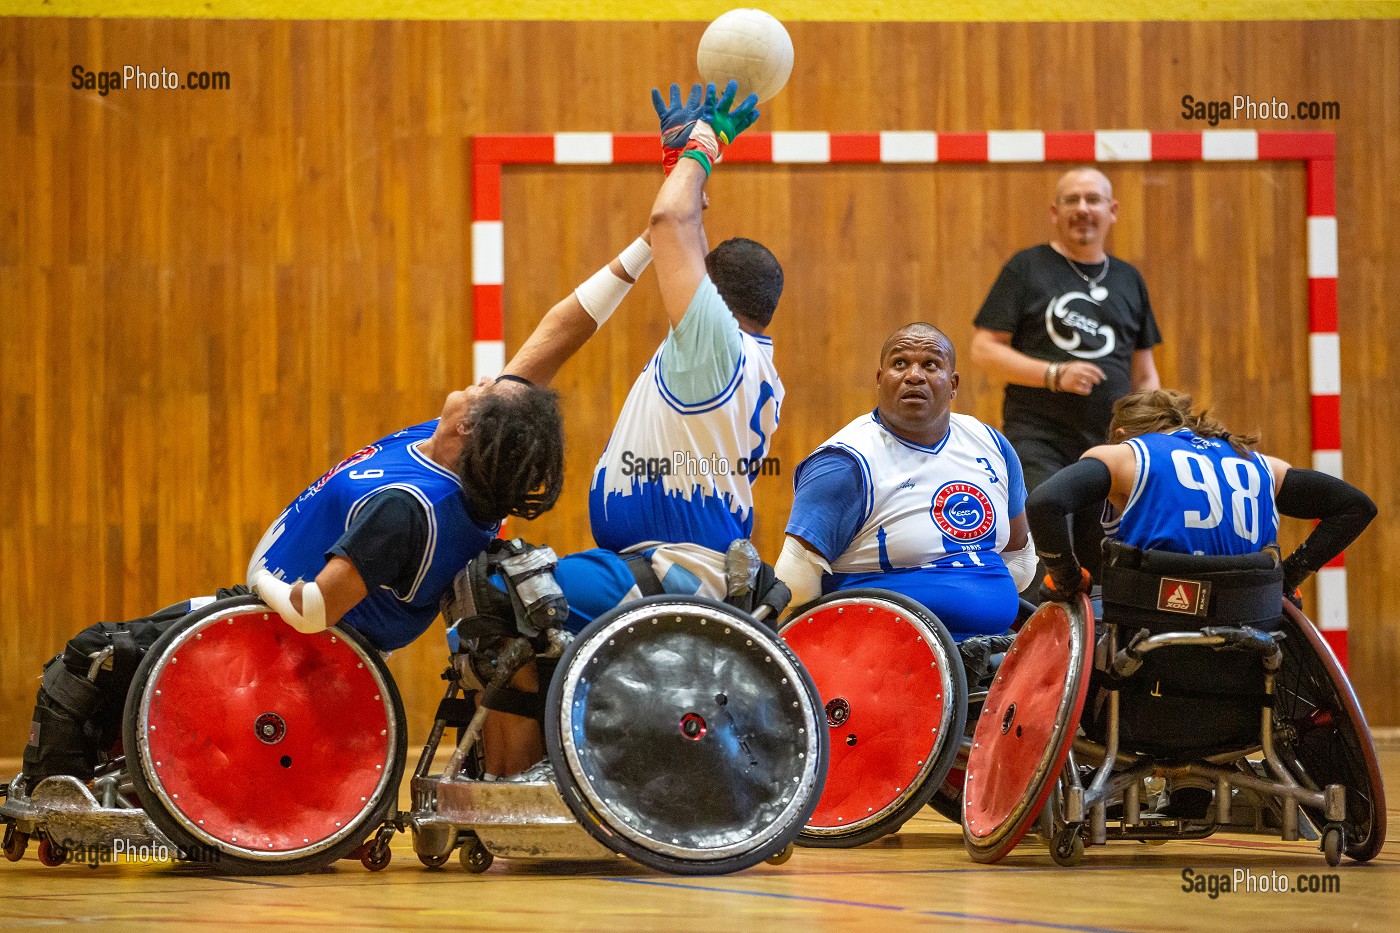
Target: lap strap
column 647, row 581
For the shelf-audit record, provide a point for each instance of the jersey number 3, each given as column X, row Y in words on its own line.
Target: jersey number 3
column 1195, row 471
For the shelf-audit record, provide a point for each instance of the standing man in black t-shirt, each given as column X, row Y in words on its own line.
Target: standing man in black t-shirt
column 1070, row 330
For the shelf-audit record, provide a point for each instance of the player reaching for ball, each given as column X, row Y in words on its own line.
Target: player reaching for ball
column 710, row 394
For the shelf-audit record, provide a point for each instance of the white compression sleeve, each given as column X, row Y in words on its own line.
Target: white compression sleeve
column 604, row 291
column 801, row 570
column 278, row 596
column 1021, row 563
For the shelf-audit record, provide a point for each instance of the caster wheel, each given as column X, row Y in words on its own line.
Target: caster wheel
column 376, row 857
column 434, row 861
column 476, row 858
column 1332, row 845
column 15, row 843
column 51, row 853
column 779, row 858
column 1067, row 849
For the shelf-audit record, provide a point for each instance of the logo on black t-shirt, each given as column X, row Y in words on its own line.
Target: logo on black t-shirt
column 1072, row 323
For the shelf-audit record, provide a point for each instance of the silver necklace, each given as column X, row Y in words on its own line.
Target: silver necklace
column 1096, row 291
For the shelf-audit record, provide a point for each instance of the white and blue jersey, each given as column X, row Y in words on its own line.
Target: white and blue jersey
column 1196, row 495
column 692, row 436
column 928, row 522
column 298, row 543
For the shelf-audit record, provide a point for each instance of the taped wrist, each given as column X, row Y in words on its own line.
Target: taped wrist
column 704, row 146
column 635, row 258
column 278, row 596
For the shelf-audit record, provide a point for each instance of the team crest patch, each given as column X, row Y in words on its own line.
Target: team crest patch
column 1187, row 597
column 963, row 512
column 359, row 456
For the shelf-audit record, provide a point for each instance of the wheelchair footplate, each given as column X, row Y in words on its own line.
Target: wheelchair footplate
column 64, row 816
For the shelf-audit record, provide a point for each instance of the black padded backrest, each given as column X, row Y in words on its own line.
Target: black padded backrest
column 1161, row 589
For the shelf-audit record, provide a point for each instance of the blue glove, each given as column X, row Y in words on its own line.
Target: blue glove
column 677, row 121
column 718, row 126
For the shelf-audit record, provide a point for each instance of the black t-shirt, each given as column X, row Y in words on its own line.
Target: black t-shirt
column 387, row 540
column 1046, row 307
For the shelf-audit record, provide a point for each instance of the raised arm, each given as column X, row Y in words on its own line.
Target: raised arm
column 568, row 325
column 677, row 227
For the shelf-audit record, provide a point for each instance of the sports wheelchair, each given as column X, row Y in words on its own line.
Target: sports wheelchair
column 896, row 698
column 247, row 746
column 682, row 733
column 1193, row 676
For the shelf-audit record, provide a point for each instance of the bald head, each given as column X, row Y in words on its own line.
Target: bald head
column 1082, row 213
column 916, row 332
column 1076, row 178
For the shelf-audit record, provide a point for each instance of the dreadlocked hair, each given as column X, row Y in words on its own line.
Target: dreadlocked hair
column 513, row 460
column 1163, row 410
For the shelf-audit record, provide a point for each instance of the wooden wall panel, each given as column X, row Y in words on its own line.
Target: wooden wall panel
column 206, row 298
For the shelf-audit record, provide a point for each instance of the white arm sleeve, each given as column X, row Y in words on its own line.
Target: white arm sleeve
column 278, row 596
column 1021, row 563
column 801, row 570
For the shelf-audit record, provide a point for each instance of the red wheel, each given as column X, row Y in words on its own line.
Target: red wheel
column 1326, row 733
column 1026, row 728
column 51, row 853
column 895, row 700
column 278, row 751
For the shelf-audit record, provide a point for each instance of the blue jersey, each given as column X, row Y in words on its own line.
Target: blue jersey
column 297, row 544
column 1196, row 495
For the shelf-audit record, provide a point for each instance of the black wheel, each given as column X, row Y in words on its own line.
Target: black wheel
column 309, row 728
column 895, row 700
column 475, row 857
column 377, row 857
column 1067, row 848
column 51, row 853
column 1319, row 725
column 1332, row 845
column 434, row 861
column 686, row 736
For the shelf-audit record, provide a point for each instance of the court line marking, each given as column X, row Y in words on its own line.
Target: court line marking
column 951, row 914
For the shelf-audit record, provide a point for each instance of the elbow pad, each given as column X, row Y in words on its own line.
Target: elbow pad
column 1021, row 563
column 278, row 596
column 801, row 570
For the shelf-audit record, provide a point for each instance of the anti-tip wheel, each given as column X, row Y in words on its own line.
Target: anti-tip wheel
column 475, row 857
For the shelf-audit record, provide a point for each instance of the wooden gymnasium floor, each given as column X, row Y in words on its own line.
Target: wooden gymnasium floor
column 919, row 877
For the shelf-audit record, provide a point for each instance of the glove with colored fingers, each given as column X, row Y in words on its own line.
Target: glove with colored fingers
column 677, row 121
column 1062, row 584
column 719, row 126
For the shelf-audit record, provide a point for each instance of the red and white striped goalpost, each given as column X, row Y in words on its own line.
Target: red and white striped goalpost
column 490, row 153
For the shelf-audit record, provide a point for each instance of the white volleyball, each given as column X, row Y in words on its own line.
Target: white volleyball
column 747, row 46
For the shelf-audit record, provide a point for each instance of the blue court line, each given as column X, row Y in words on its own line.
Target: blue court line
column 950, row 914
column 784, row 897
